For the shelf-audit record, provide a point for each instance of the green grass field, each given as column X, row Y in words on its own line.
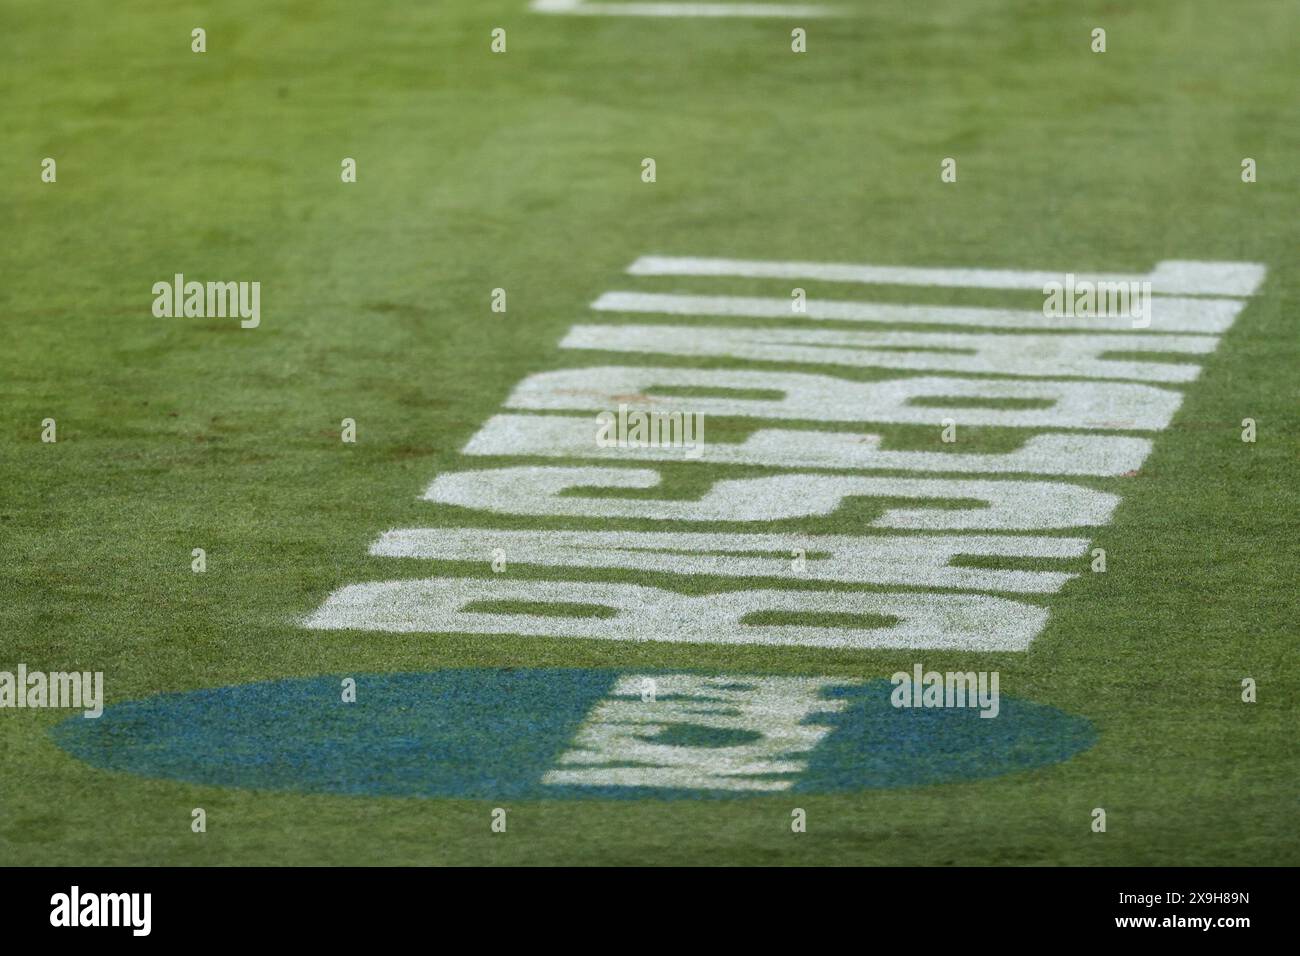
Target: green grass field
column 522, row 171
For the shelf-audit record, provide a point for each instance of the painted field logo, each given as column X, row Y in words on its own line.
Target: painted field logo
column 1066, row 378
column 567, row 733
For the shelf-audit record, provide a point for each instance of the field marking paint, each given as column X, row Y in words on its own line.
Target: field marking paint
column 1167, row 314
column 945, row 621
column 574, row 733
column 567, row 436
column 972, row 622
column 809, row 397
column 614, row 746
column 1011, row 505
column 1006, row 354
column 918, row 560
column 1170, row 276
column 683, row 9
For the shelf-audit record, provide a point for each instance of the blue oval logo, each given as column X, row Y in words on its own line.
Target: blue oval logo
column 562, row 733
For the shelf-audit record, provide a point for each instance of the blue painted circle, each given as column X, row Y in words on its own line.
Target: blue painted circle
column 492, row 734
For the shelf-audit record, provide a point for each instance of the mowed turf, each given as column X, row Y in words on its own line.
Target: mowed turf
column 522, row 171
